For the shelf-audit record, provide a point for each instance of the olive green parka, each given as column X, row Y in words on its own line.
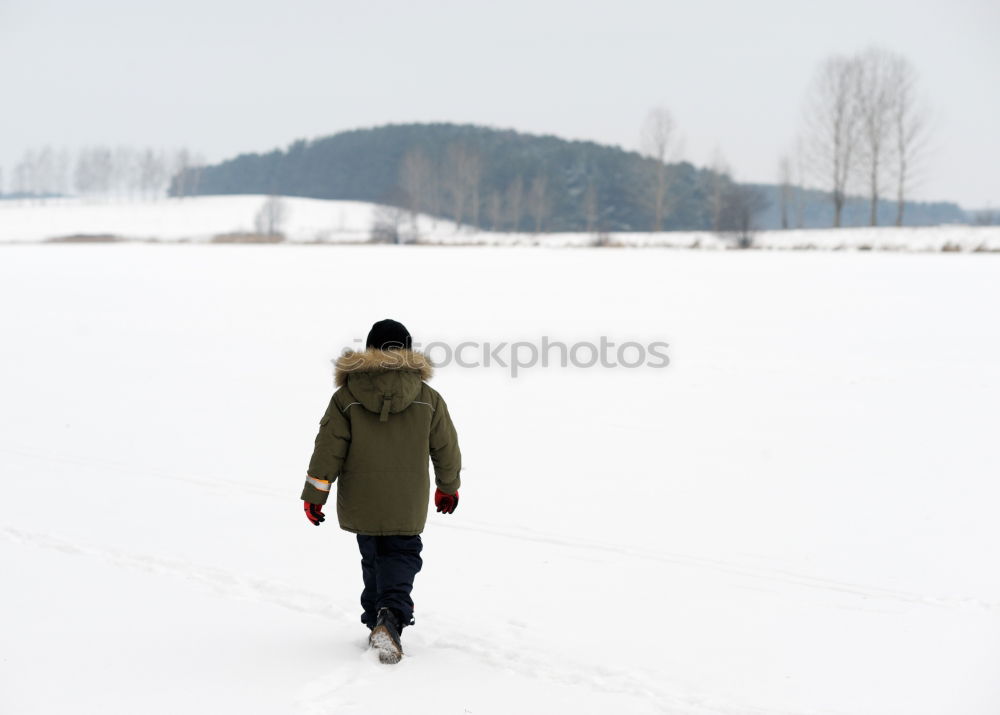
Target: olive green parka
column 382, row 426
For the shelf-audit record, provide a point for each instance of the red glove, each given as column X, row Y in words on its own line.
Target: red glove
column 314, row 513
column 445, row 503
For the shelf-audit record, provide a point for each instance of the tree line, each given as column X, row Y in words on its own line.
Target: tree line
column 103, row 171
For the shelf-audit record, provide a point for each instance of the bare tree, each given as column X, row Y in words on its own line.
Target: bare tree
column 538, row 200
column 454, row 186
column 16, row 179
column 876, row 97
column 590, row 207
column 909, row 122
column 415, row 175
column 186, row 169
column 91, row 175
column 61, row 172
column 473, row 179
column 656, row 142
column 719, row 182
column 180, row 165
column 799, row 180
column 495, row 207
column 97, row 165
column 26, row 174
column 515, row 203
column 463, row 170
column 387, row 220
column 740, row 206
column 834, row 125
column 103, row 167
column 104, row 170
column 82, row 174
column 986, row 217
column 153, row 175
column 124, row 171
column 45, row 172
column 786, row 188
column 433, row 193
column 271, row 216
column 863, row 117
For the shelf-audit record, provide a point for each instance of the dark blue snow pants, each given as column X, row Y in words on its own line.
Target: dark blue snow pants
column 388, row 565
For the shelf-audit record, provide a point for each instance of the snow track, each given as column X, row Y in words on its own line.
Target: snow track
column 222, row 582
column 864, row 592
column 320, row 696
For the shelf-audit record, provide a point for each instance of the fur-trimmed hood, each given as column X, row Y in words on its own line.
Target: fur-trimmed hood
column 373, row 360
column 377, row 377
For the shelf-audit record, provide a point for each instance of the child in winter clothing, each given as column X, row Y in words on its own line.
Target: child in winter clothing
column 382, row 425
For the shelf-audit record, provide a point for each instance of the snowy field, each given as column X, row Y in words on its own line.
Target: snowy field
column 797, row 517
column 202, row 218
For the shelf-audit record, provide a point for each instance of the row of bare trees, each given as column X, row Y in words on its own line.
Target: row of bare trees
column 453, row 188
column 103, row 171
column 731, row 206
column 865, row 129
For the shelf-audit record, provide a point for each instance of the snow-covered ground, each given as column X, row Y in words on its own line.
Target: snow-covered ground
column 797, row 516
column 312, row 220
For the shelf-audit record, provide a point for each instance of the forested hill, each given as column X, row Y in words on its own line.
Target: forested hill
column 504, row 180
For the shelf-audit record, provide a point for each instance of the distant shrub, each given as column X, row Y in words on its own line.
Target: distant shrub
column 240, row 237
column 86, row 238
column 271, row 217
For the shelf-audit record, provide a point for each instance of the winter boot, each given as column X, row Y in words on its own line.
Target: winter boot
column 385, row 637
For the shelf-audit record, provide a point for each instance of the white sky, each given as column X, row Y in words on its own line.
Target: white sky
column 227, row 76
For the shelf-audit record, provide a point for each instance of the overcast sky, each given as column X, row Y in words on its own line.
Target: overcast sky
column 229, row 76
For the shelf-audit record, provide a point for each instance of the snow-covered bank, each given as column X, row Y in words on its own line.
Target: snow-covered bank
column 884, row 238
column 198, row 218
column 205, row 218
column 796, row 517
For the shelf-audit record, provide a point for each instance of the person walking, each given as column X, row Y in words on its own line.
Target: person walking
column 383, row 425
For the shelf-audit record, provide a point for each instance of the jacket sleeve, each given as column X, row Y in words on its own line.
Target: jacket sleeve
column 445, row 454
column 332, row 443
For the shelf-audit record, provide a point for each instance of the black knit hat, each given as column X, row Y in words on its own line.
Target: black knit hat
column 388, row 334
